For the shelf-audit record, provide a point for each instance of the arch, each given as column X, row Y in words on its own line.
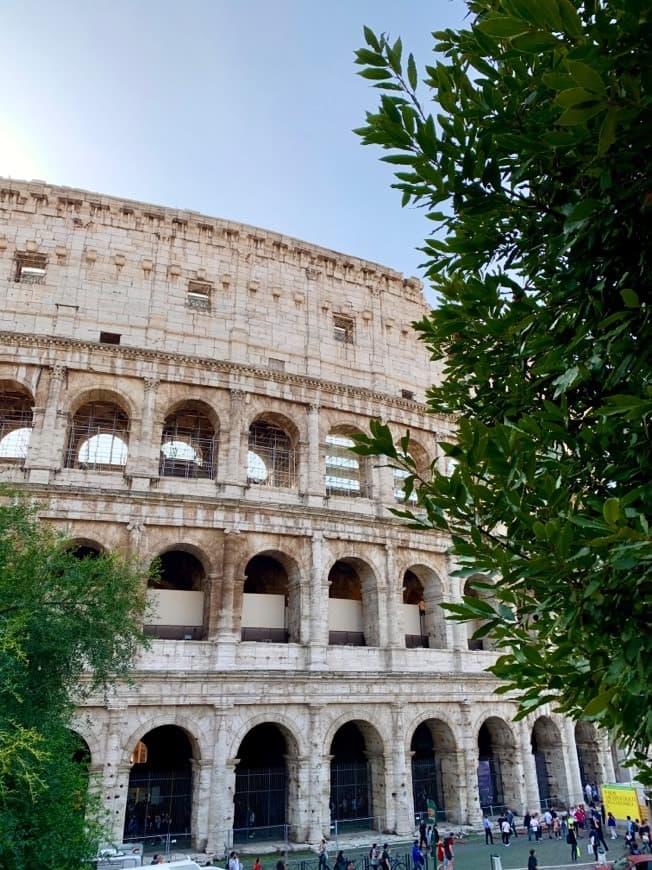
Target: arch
column 498, row 770
column 549, row 763
column 189, row 441
column 266, row 795
column 353, row 603
column 272, row 452
column 422, row 464
column 357, row 787
column 176, row 596
column 16, row 421
column 98, row 438
column 103, row 395
column 271, row 606
column 588, row 754
column 433, row 751
column 423, row 618
column 475, row 625
column 159, row 799
column 346, row 472
column 85, row 548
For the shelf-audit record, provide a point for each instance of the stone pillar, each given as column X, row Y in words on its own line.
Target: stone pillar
column 235, row 476
column 530, row 782
column 212, row 602
column 46, row 448
column 469, row 767
column 318, row 798
column 571, row 764
column 315, row 483
column 226, row 620
column 459, row 629
column 318, row 638
column 399, row 799
column 298, row 768
column 115, row 774
column 394, row 628
column 219, row 815
column 606, row 758
column 201, row 789
column 143, row 462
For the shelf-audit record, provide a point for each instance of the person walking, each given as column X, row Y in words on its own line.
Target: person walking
column 571, row 839
column 526, row 824
column 449, row 853
column 532, row 862
column 611, row 824
column 385, row 858
column 488, row 835
column 417, row 856
column 323, row 855
column 506, row 829
column 374, row 856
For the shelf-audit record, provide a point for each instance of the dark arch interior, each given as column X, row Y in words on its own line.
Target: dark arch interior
column 180, row 570
column 159, row 801
column 344, row 582
column 412, row 589
column 426, row 771
column 261, row 783
column 85, row 551
column 490, row 779
column 350, row 796
column 265, row 575
column 422, row 743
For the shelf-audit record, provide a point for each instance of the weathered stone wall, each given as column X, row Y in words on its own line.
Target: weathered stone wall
column 264, row 348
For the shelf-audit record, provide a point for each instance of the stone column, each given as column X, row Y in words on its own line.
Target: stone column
column 318, row 638
column 235, row 476
column 143, row 462
column 219, row 816
column 530, row 782
column 320, row 777
column 400, row 793
column 459, row 629
column 115, row 774
column 46, row 448
column 606, row 758
column 315, row 477
column 298, row 768
column 226, row 620
column 571, row 764
column 469, row 770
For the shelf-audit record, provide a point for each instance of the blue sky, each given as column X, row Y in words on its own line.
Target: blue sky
column 241, row 110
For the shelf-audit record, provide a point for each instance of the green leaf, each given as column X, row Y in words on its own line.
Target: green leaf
column 630, row 298
column 586, row 76
column 573, row 117
column 535, row 41
column 573, row 97
column 375, row 74
column 611, row 511
column 598, row 704
column 502, row 26
column 412, row 72
column 558, row 81
column 571, row 20
column 608, row 130
column 583, row 210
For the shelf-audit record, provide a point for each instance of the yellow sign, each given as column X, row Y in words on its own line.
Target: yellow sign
column 622, row 801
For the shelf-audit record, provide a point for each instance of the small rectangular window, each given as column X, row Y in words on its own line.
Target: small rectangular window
column 110, row 337
column 277, row 365
column 199, row 295
column 407, row 394
column 30, row 268
column 343, row 328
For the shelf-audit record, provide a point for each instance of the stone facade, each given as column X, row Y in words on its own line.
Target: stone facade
column 184, row 387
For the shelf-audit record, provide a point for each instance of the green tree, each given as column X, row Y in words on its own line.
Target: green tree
column 68, row 626
column 535, row 167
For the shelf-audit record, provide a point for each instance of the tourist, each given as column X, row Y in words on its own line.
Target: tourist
column 571, row 839
column 374, row 856
column 535, row 826
column 532, row 862
column 526, row 824
column 488, row 836
column 257, row 865
column 611, row 824
column 340, row 861
column 506, row 829
column 547, row 818
column 449, row 853
column 385, row 858
column 282, row 863
column 323, row 854
column 234, row 861
column 417, row 856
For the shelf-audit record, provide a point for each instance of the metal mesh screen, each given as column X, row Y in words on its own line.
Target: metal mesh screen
column 15, row 426
column 188, row 445
column 272, row 457
column 99, row 438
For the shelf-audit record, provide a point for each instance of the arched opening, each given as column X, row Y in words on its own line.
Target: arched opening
column 420, row 459
column 345, row 471
column 188, row 443
column 175, row 598
column 261, row 785
column 474, row 625
column 423, row 617
column 271, row 460
column 414, row 611
column 497, row 769
column 265, row 601
column 85, row 550
column 159, row 800
column 588, row 754
column 434, row 773
column 16, row 412
column 549, row 763
column 357, row 776
column 347, row 619
column 99, row 438
column 619, row 759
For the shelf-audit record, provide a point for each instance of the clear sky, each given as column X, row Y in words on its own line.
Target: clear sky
column 241, row 109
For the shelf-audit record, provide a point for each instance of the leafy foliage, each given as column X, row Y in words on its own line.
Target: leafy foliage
column 535, row 167
column 68, row 626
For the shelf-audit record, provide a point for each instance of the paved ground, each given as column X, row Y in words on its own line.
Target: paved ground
column 472, row 854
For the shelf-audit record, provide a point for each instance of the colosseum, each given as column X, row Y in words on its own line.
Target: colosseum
column 186, row 388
